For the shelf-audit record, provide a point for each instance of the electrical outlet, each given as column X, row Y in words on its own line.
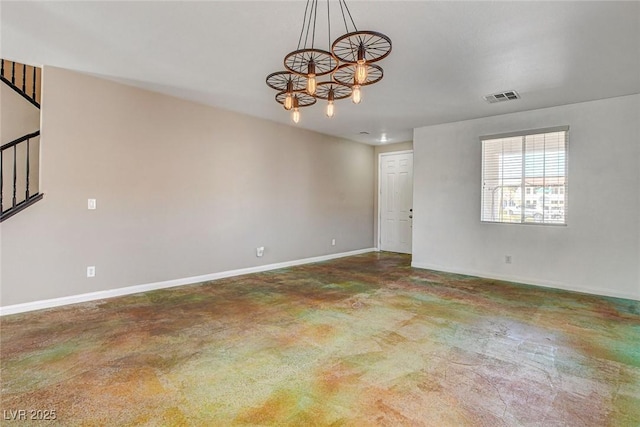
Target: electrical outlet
column 91, row 271
column 91, row 204
column 507, row 259
column 260, row 251
column 333, row 242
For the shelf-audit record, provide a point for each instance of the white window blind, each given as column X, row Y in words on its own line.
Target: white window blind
column 524, row 177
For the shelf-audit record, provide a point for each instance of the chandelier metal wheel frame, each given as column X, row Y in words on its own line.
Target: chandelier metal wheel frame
column 298, row 61
column 345, row 74
column 294, row 101
column 333, row 90
column 373, row 46
column 348, row 65
column 304, row 99
column 281, row 79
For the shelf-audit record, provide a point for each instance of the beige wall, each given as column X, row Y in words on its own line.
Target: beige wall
column 182, row 190
column 387, row 148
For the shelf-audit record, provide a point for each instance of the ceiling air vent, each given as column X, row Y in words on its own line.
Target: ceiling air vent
column 502, row 96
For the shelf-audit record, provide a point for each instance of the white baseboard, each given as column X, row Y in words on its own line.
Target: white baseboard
column 527, row 281
column 92, row 296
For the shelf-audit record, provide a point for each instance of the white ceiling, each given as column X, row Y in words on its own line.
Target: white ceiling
column 446, row 55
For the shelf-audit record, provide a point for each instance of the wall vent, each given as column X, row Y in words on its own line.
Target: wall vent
column 509, row 95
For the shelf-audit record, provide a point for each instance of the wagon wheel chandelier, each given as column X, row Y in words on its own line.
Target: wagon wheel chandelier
column 348, row 66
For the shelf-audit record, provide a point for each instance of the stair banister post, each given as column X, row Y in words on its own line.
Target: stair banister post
column 1, row 183
column 15, row 174
column 24, row 78
column 34, row 85
column 26, row 193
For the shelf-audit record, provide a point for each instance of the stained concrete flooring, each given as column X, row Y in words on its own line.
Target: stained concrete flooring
column 359, row 341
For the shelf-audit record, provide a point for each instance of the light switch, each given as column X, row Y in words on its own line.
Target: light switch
column 91, row 204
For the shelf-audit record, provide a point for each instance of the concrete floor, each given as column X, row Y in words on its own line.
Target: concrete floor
column 362, row 341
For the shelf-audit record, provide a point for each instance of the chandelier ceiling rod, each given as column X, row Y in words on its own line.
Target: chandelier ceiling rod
column 340, row 2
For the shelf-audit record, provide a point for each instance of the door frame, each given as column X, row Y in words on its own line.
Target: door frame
column 379, row 190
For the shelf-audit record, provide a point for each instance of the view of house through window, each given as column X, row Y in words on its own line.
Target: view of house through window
column 524, row 177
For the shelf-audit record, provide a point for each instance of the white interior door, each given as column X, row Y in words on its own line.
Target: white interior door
column 396, row 201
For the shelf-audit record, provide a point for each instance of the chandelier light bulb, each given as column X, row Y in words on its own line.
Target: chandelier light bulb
column 311, row 77
column 288, row 102
column 357, row 96
column 295, row 116
column 311, row 84
column 330, row 110
column 330, row 98
column 361, row 66
column 361, row 71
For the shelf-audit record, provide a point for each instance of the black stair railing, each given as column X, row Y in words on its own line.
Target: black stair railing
column 15, row 75
column 10, row 151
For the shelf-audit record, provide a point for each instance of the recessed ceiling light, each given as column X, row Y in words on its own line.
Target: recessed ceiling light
column 383, row 138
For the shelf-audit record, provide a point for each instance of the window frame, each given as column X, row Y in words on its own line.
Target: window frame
column 563, row 190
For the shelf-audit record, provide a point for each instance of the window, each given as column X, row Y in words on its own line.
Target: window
column 524, row 177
